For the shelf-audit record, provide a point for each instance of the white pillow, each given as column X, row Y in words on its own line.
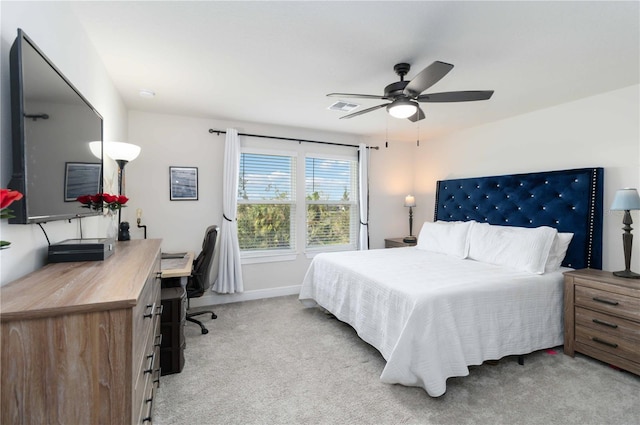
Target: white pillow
column 445, row 237
column 520, row 248
column 558, row 251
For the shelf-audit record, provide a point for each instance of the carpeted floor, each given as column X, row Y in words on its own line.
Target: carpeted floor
column 274, row 362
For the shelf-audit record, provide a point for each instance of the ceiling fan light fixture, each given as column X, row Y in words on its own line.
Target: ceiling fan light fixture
column 402, row 108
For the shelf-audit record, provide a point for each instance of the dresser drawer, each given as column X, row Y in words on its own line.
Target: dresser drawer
column 610, row 302
column 612, row 325
column 609, row 343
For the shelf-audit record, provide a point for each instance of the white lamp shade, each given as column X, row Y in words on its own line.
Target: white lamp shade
column 410, row 201
column 96, row 149
column 121, row 151
column 626, row 199
column 402, row 108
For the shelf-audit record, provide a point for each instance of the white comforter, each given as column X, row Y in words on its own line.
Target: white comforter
column 431, row 315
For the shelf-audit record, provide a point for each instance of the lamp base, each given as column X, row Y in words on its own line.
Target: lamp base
column 410, row 239
column 627, row 274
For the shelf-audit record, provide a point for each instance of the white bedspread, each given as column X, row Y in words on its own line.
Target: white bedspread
column 431, row 315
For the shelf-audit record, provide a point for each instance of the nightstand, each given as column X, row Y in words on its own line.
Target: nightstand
column 397, row 243
column 602, row 317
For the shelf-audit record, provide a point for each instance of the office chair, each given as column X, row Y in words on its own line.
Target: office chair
column 200, row 278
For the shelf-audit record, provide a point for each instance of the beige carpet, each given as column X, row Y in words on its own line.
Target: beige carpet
column 274, row 362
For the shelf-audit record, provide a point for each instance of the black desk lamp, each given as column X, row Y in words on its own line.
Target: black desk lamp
column 626, row 199
column 410, row 201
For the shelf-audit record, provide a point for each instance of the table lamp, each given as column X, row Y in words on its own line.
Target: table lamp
column 626, row 199
column 410, row 201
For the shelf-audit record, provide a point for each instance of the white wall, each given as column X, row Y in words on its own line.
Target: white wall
column 598, row 131
column 169, row 140
column 57, row 32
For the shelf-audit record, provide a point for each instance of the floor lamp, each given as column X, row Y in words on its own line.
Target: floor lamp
column 122, row 153
column 626, row 199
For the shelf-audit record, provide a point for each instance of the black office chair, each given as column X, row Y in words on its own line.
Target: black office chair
column 200, row 279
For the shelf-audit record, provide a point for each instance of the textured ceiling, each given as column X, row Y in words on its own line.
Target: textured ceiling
column 274, row 62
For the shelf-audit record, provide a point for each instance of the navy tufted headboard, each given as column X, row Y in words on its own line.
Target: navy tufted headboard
column 569, row 200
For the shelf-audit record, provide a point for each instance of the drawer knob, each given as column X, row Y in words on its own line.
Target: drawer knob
column 602, row 322
column 604, row 301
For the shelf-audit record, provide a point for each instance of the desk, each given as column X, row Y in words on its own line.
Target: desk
column 174, row 312
column 177, row 267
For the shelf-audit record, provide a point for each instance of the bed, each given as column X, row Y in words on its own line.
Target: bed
column 456, row 300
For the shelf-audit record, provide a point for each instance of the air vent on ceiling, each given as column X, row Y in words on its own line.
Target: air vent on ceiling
column 343, row 106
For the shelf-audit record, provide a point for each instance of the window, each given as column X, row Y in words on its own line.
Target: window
column 266, row 202
column 277, row 194
column 331, row 203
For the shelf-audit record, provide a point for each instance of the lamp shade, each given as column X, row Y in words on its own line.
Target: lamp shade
column 96, row 149
column 410, row 201
column 121, row 151
column 402, row 108
column 626, row 199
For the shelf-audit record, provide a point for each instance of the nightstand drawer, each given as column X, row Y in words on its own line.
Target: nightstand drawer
column 611, row 325
column 618, row 304
column 609, row 343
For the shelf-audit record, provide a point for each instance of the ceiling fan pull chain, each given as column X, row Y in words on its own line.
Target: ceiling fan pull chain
column 418, row 141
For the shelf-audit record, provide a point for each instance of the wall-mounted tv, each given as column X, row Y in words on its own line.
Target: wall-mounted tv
column 52, row 125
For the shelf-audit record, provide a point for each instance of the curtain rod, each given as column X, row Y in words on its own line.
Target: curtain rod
column 218, row 132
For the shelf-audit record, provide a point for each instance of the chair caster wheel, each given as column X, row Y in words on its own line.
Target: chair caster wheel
column 213, row 316
column 205, row 331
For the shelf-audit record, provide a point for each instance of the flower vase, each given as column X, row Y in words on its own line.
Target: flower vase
column 112, row 226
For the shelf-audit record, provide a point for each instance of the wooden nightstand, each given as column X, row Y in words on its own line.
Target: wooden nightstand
column 602, row 317
column 396, row 243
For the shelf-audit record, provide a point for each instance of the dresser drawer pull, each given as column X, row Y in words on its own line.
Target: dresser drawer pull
column 159, row 310
column 603, row 301
column 158, row 342
column 159, row 275
column 602, row 322
column 599, row 341
column 152, row 358
column 149, row 401
column 150, row 309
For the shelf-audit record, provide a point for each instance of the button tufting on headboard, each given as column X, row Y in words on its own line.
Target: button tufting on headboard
column 570, row 200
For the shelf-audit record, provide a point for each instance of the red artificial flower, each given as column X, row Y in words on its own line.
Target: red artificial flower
column 84, row 199
column 122, row 199
column 109, row 199
column 7, row 196
column 96, row 199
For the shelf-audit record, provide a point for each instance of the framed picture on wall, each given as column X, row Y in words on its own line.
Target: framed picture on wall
column 81, row 178
column 183, row 183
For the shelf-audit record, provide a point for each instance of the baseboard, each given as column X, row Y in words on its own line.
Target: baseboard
column 213, row 298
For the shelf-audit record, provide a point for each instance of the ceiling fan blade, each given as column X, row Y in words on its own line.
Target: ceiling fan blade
column 419, row 115
column 359, row 96
column 364, row 111
column 427, row 77
column 456, row 96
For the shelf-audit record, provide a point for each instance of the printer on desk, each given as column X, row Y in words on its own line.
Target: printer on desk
column 91, row 249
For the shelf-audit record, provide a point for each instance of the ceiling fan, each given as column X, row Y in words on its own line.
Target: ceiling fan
column 404, row 95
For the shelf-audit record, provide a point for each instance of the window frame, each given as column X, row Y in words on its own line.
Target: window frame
column 299, row 202
column 354, row 206
column 284, row 254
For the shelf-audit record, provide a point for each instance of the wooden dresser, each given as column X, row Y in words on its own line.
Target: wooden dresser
column 80, row 341
column 602, row 317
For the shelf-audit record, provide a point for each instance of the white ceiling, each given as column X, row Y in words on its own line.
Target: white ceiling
column 274, row 62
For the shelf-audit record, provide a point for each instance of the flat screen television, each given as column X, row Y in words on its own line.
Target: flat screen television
column 52, row 125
